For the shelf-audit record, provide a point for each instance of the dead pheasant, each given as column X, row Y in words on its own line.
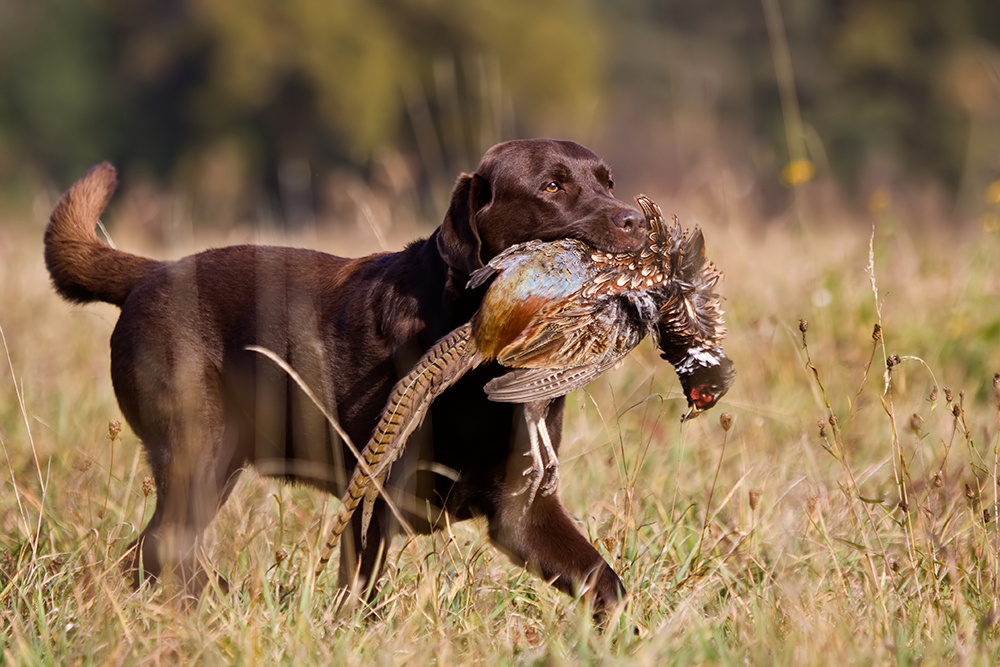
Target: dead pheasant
column 561, row 314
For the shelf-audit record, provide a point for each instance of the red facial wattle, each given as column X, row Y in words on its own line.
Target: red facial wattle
column 700, row 399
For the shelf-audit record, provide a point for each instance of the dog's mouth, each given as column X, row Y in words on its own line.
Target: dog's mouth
column 623, row 231
column 627, row 234
column 616, row 243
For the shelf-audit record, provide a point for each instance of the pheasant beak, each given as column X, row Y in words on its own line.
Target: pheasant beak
column 692, row 412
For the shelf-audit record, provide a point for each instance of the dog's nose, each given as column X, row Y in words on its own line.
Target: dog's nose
column 629, row 220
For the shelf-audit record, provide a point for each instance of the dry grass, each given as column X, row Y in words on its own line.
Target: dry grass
column 847, row 515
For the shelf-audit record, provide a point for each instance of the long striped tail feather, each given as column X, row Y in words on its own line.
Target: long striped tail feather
column 447, row 361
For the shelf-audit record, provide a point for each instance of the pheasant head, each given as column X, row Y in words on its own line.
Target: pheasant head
column 705, row 375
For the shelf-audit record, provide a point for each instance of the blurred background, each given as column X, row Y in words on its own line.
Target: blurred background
column 319, row 112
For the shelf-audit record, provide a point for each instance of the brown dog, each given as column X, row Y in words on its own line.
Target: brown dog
column 205, row 407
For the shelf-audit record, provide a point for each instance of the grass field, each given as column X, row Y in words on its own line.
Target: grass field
column 847, row 516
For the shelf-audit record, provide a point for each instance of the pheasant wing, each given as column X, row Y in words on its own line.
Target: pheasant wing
column 536, row 384
column 566, row 353
column 564, row 337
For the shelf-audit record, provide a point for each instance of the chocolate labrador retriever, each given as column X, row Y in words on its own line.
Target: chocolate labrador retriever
column 205, row 406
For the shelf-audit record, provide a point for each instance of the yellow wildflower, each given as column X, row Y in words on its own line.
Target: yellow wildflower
column 797, row 172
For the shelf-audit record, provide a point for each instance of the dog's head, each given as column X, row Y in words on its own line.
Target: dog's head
column 535, row 189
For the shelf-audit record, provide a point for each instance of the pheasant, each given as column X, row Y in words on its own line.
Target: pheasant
column 560, row 314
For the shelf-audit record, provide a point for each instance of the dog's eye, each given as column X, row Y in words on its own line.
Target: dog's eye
column 553, row 187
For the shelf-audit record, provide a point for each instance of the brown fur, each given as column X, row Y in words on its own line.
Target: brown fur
column 205, row 407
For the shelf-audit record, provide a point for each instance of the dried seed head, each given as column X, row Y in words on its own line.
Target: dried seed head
column 905, row 506
column 803, row 327
column 114, row 428
column 877, row 332
column 754, row 499
column 894, row 565
column 986, row 515
column 996, row 389
column 956, row 410
column 726, row 420
column 948, row 396
column 148, row 485
column 934, row 394
column 970, row 493
column 279, row 556
column 916, row 423
column 937, row 481
column 833, row 419
column 822, row 428
column 812, row 501
column 892, row 360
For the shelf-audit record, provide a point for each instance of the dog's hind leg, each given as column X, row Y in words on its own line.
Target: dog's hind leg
column 191, row 486
column 172, row 397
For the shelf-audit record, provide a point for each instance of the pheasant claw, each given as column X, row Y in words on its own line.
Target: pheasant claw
column 543, row 473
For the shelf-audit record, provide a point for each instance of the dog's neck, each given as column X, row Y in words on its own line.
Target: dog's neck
column 459, row 302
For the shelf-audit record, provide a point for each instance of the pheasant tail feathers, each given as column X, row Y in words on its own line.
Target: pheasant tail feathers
column 450, row 358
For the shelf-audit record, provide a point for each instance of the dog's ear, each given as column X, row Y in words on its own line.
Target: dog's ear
column 458, row 239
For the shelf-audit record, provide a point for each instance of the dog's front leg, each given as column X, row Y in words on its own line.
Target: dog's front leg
column 541, row 536
column 545, row 540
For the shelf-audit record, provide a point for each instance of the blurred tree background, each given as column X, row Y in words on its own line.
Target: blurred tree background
column 290, row 107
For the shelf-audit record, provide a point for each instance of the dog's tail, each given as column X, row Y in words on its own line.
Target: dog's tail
column 84, row 269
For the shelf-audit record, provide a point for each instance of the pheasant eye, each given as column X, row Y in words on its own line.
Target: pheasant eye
column 552, row 187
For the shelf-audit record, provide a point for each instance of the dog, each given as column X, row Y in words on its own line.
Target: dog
column 205, row 406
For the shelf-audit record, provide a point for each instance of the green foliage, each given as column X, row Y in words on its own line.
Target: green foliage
column 306, row 79
column 54, row 106
column 890, row 92
column 887, row 89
